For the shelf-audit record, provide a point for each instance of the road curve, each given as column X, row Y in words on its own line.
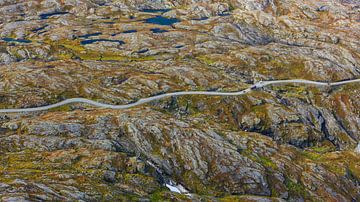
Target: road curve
column 158, row 97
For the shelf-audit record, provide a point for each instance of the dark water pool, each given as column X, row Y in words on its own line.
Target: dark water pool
column 202, row 18
column 159, row 20
column 224, row 14
column 47, row 15
column 89, row 35
column 16, row 40
column 158, row 30
column 90, row 41
column 39, row 29
column 143, row 51
column 129, row 31
column 155, row 10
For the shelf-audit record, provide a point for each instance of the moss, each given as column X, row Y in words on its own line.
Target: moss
column 164, row 196
column 195, row 183
column 205, row 59
column 242, row 198
column 64, row 108
column 158, row 196
column 267, row 162
column 296, row 189
column 69, row 49
column 261, row 112
column 311, row 155
column 322, row 149
column 284, row 69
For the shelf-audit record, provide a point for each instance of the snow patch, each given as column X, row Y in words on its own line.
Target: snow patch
column 178, row 188
column 357, row 149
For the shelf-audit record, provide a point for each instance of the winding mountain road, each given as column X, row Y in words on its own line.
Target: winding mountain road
column 158, row 97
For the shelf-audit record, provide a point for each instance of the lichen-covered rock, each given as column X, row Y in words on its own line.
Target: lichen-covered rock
column 282, row 142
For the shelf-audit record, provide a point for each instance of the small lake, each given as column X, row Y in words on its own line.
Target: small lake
column 159, row 20
column 16, row 40
column 47, row 15
column 90, row 41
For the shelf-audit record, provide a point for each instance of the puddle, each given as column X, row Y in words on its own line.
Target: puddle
column 159, row 20
column 129, row 31
column 90, row 35
column 143, row 51
column 179, row 46
column 90, row 41
column 224, row 14
column 47, row 15
column 16, row 40
column 155, row 10
column 202, row 18
column 158, row 30
column 39, row 29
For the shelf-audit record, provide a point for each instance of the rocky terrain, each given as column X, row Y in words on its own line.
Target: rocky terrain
column 283, row 142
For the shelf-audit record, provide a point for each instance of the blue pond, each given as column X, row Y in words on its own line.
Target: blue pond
column 159, row 20
column 47, row 15
column 16, row 40
column 155, row 10
column 90, row 41
column 158, row 30
column 89, row 35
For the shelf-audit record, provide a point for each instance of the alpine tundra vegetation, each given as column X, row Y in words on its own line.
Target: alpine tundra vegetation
column 277, row 141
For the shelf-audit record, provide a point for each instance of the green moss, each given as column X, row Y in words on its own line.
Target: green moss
column 158, row 196
column 68, row 49
column 267, row 162
column 195, row 183
column 297, row 189
column 322, row 149
column 205, row 59
column 165, row 196
column 64, row 108
column 311, row 155
column 284, row 69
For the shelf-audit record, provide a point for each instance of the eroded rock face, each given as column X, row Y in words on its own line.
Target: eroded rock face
column 281, row 142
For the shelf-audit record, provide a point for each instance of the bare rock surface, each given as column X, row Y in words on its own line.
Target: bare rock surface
column 282, row 142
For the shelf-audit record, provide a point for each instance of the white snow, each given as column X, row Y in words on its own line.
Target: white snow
column 357, row 149
column 173, row 188
column 178, row 188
